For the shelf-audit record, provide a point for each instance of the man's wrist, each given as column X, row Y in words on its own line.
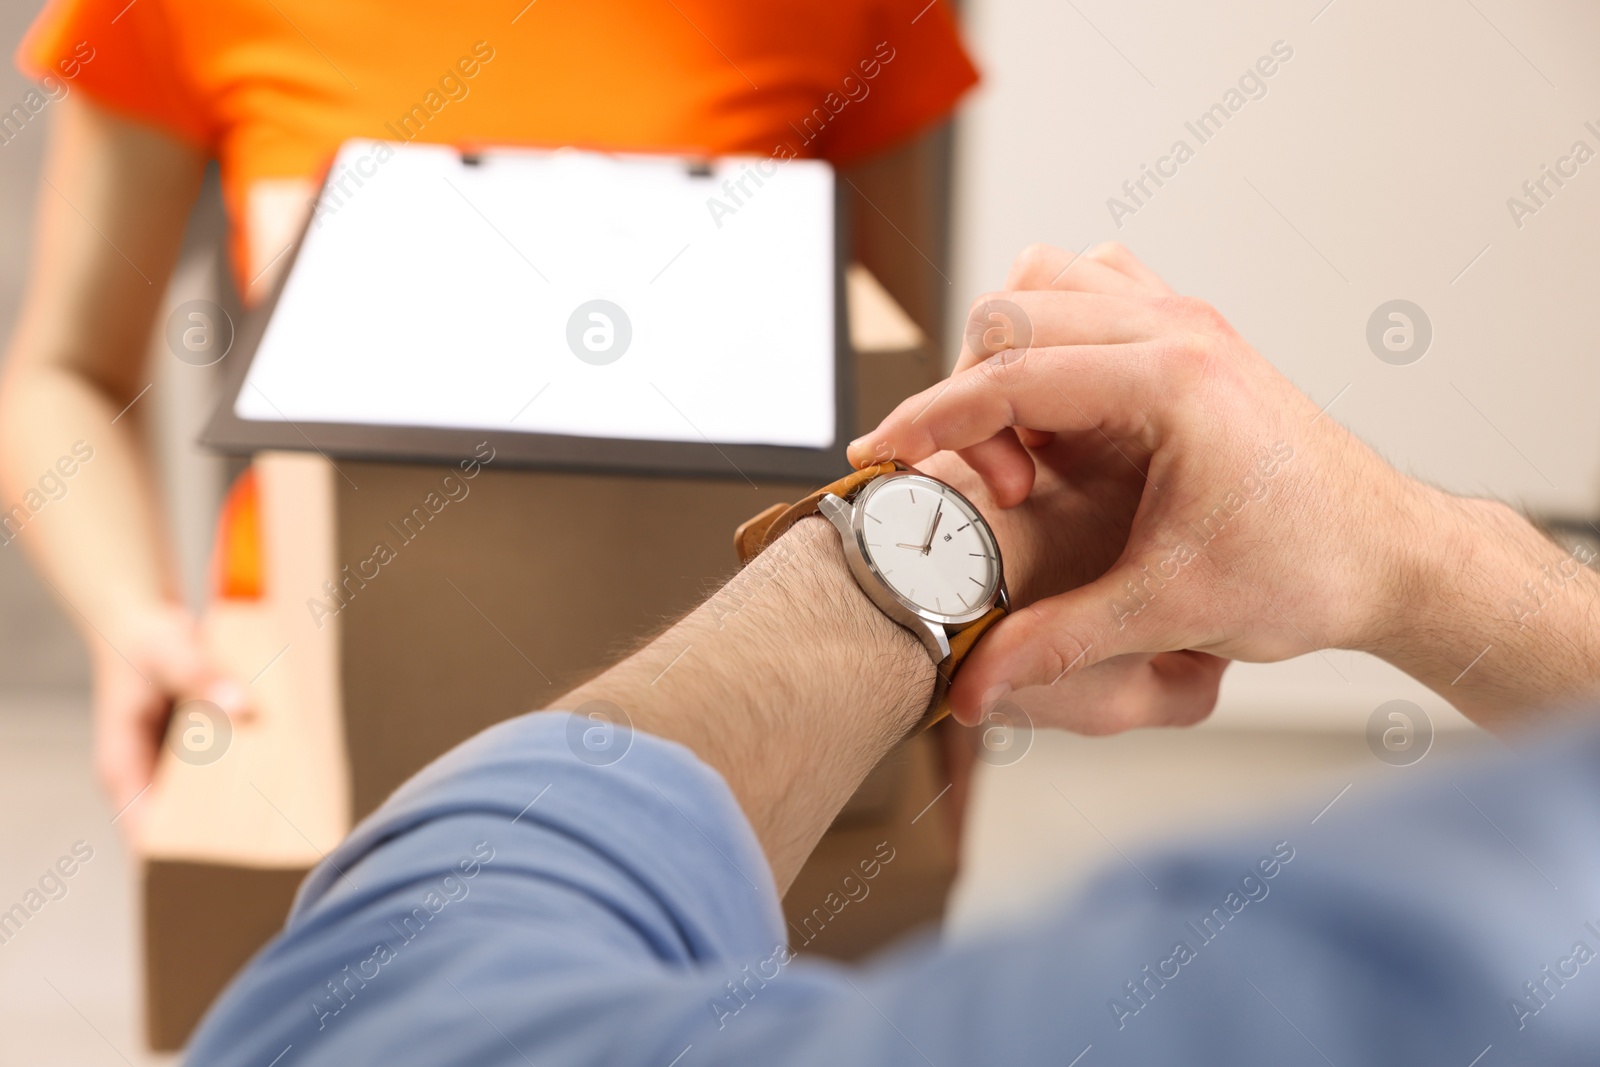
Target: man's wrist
column 1484, row 609
column 817, row 599
column 788, row 681
column 1398, row 577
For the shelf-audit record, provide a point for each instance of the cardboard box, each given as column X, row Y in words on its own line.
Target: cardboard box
column 496, row 604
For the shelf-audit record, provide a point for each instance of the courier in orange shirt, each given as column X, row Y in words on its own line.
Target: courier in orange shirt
column 150, row 91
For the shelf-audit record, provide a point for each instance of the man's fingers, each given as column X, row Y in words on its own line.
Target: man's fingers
column 1109, row 388
column 1021, row 320
column 1169, row 689
column 1045, row 267
column 1115, row 255
column 1122, row 693
column 1038, row 646
column 1166, row 689
column 1048, row 642
column 1005, row 467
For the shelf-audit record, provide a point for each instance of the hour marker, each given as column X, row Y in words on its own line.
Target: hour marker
column 963, row 601
column 873, row 517
column 913, row 493
column 974, row 581
column 938, row 604
column 962, row 527
column 980, row 555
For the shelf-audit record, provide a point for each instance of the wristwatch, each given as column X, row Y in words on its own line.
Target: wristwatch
column 920, row 551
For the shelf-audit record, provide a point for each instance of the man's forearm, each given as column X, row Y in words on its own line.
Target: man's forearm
column 1490, row 613
column 788, row 681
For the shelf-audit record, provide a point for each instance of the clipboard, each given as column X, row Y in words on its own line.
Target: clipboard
column 642, row 314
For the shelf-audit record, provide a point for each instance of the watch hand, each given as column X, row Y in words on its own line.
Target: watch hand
column 933, row 528
column 902, row 544
column 931, row 523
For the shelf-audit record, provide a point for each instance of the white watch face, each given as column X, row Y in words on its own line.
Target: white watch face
column 929, row 545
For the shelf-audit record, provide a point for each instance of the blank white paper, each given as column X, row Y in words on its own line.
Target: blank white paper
column 439, row 294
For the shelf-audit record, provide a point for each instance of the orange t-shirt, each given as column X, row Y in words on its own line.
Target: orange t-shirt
column 273, row 87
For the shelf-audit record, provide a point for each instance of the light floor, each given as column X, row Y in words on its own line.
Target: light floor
column 69, row 978
column 69, row 991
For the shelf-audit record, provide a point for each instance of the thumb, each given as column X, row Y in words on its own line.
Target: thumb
column 179, row 657
column 189, row 671
column 1054, row 638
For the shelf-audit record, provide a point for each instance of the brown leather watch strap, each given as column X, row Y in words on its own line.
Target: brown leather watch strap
column 961, row 643
column 755, row 534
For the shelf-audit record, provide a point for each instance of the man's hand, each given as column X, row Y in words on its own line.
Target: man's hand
column 1066, row 533
column 1259, row 528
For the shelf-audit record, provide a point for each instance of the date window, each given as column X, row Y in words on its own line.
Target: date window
column 948, row 536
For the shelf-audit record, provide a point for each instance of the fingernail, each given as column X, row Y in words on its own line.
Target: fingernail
column 229, row 696
column 993, row 695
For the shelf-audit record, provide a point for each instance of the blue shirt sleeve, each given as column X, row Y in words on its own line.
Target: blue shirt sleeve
column 514, row 904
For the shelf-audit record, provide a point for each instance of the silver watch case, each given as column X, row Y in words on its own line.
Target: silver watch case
column 931, row 628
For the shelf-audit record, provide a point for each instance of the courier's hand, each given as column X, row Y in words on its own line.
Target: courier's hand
column 158, row 660
column 1259, row 528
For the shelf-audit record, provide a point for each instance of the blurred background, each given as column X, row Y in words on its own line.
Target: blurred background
column 1374, row 164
